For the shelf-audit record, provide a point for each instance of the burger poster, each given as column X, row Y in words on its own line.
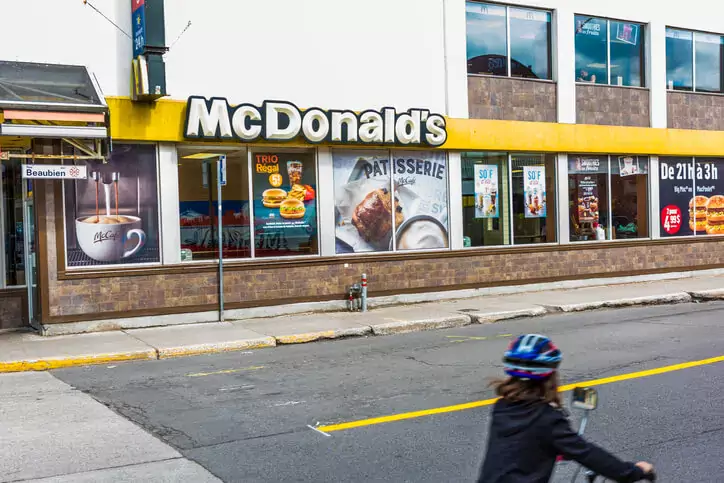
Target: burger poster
column 285, row 214
column 383, row 200
column 691, row 197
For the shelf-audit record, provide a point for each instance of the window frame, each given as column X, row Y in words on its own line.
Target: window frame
column 693, row 62
column 508, row 57
column 643, row 61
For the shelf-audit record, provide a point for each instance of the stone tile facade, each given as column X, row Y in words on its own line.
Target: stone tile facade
column 12, row 310
column 689, row 110
column 511, row 99
column 113, row 297
column 612, row 105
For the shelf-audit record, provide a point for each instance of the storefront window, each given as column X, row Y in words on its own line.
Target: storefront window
column 694, row 61
column 488, row 51
column 534, row 198
column 284, row 186
column 11, row 223
column 708, row 62
column 629, row 197
column 609, row 52
column 198, row 205
column 691, row 196
column 112, row 217
column 588, row 197
column 486, row 199
column 383, row 205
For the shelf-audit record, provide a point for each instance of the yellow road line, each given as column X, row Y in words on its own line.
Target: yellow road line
column 49, row 364
column 226, row 371
column 487, row 402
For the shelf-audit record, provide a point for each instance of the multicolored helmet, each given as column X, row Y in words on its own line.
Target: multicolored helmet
column 532, row 356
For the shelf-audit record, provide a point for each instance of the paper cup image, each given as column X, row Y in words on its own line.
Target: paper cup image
column 110, row 239
column 422, row 232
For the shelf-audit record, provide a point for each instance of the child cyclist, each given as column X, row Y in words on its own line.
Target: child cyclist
column 529, row 428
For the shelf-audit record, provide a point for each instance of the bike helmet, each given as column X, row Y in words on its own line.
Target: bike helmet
column 531, row 356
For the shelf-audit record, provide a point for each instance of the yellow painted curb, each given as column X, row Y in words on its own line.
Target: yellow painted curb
column 197, row 350
column 306, row 337
column 49, row 364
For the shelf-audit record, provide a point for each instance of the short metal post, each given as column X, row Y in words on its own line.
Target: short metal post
column 220, row 239
column 364, row 292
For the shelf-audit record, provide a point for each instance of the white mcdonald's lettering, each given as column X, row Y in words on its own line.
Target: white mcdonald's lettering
column 214, row 118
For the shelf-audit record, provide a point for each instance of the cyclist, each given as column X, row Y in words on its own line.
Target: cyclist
column 530, row 429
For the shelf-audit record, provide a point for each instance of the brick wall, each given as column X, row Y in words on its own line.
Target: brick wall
column 12, row 310
column 688, row 110
column 94, row 298
column 511, row 99
column 612, row 105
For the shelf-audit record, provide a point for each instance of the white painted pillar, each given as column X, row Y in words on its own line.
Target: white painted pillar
column 456, row 70
column 562, row 199
column 455, row 196
column 564, row 64
column 656, row 73
column 654, row 205
column 325, row 202
column 170, row 231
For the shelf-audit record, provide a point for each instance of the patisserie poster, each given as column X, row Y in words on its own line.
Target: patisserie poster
column 378, row 197
column 285, row 206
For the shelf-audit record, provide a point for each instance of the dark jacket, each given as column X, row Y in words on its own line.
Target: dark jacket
column 525, row 439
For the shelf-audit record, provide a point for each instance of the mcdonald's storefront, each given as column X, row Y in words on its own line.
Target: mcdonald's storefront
column 310, row 198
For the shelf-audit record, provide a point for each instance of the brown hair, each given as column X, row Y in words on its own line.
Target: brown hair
column 514, row 389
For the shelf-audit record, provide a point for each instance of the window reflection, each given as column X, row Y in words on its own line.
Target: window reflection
column 530, row 34
column 679, row 59
column 629, row 196
column 588, row 197
column 534, row 198
column 627, row 54
column 485, row 209
column 12, row 212
column 708, row 62
column 487, row 47
column 591, row 51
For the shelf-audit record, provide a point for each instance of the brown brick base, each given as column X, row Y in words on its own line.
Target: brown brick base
column 13, row 309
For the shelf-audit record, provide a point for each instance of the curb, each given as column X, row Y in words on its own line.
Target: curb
column 673, row 298
column 717, row 294
column 406, row 326
column 306, row 337
column 491, row 318
column 60, row 363
column 216, row 347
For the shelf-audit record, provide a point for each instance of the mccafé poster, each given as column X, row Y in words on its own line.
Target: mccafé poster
column 383, row 200
column 285, row 203
column 691, row 196
column 112, row 217
column 534, row 191
column 487, row 198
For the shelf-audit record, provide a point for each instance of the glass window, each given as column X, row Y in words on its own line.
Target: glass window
column 708, row 62
column 486, row 199
column 627, row 54
column 530, row 40
column 679, row 59
column 46, row 83
column 591, row 50
column 12, row 223
column 588, row 197
column 630, row 196
column 487, row 44
column 609, row 51
column 198, row 205
column 284, row 188
column 534, row 198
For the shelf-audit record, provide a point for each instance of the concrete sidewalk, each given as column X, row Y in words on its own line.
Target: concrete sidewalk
column 28, row 351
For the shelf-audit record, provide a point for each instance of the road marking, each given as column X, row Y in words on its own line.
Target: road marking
column 463, row 338
column 318, row 430
column 226, row 371
column 331, row 428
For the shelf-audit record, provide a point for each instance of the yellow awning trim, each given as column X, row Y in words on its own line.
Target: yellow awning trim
column 163, row 121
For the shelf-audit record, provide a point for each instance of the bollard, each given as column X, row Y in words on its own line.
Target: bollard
column 364, row 292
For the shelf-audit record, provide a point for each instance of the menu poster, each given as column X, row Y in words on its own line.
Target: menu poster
column 534, row 191
column 486, row 191
column 691, row 197
column 363, row 200
column 420, row 183
column 285, row 207
column 588, row 198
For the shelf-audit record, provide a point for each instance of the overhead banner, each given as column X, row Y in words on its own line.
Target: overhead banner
column 534, row 191
column 486, row 191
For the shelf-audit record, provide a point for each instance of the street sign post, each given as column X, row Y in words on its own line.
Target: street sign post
column 220, row 181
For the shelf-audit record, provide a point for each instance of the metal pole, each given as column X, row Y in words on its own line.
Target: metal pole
column 220, row 239
column 364, row 292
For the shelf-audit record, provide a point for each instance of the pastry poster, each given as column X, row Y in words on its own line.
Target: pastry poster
column 285, row 206
column 588, row 198
column 382, row 201
column 534, row 191
column 111, row 217
column 420, row 181
column 691, row 196
column 486, row 190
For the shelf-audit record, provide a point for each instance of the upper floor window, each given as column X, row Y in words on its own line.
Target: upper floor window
column 694, row 61
column 609, row 51
column 508, row 41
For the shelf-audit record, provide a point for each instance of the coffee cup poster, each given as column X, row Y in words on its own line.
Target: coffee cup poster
column 111, row 217
column 384, row 202
column 691, row 197
column 285, row 206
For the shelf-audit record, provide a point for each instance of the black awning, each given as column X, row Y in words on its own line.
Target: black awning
column 26, row 85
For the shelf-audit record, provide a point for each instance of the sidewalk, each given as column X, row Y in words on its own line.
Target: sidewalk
column 22, row 351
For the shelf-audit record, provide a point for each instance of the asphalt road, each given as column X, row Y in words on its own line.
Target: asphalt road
column 245, row 417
